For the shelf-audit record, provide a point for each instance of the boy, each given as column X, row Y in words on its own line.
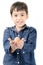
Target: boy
column 19, row 41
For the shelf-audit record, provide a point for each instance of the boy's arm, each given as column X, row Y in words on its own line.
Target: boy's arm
column 30, row 45
column 6, row 42
column 13, row 45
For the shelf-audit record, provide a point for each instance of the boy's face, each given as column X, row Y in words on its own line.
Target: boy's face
column 19, row 17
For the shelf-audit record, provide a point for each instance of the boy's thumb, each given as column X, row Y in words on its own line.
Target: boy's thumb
column 9, row 39
column 23, row 39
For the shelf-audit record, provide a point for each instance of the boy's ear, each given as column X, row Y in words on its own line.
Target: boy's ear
column 11, row 17
column 27, row 16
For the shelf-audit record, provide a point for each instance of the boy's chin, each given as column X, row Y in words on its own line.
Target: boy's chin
column 20, row 25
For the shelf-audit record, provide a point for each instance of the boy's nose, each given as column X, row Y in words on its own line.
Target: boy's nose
column 19, row 17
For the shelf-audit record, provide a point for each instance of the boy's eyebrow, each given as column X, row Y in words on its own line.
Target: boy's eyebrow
column 22, row 13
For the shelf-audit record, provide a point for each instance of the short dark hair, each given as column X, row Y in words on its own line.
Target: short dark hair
column 19, row 6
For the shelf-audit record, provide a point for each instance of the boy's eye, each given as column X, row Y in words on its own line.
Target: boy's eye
column 22, row 15
column 15, row 15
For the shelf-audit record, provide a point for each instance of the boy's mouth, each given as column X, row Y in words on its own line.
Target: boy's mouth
column 19, row 22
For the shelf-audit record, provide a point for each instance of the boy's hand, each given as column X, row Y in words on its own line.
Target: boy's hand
column 17, row 43
column 12, row 44
column 20, row 43
column 16, row 40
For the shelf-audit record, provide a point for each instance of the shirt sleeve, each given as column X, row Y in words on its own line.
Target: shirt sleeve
column 5, row 40
column 6, row 43
column 30, row 45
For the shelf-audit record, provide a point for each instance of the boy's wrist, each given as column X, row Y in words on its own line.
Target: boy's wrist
column 12, row 49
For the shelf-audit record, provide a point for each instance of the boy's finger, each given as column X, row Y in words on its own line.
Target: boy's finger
column 22, row 39
column 9, row 39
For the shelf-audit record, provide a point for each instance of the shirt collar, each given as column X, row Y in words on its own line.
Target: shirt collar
column 24, row 27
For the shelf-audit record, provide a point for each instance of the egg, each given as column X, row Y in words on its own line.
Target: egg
column 17, row 39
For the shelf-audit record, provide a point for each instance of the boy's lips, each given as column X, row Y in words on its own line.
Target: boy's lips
column 19, row 22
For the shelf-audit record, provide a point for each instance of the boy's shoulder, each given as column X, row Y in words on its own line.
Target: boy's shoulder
column 30, row 28
column 9, row 28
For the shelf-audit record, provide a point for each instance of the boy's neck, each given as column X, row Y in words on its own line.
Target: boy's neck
column 18, row 28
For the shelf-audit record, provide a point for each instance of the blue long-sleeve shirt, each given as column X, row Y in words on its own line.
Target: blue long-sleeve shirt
column 24, row 56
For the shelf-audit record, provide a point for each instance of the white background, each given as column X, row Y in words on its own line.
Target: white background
column 35, row 20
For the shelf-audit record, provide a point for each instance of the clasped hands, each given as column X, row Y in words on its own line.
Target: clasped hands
column 17, row 43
